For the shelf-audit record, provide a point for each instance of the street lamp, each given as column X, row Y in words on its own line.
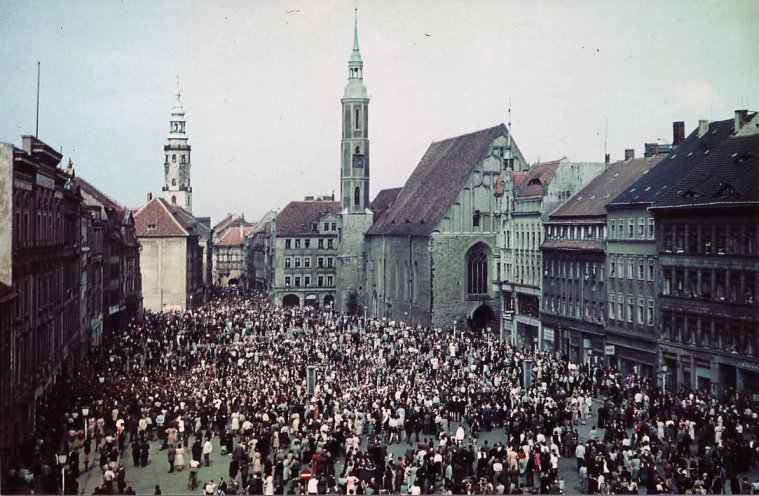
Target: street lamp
column 85, row 413
column 62, row 457
column 663, row 373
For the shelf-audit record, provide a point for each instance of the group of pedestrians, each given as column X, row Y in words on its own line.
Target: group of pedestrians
column 395, row 408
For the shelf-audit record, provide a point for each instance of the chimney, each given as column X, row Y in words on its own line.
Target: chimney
column 741, row 118
column 678, row 132
column 607, row 158
column 703, row 127
column 150, row 196
column 629, row 153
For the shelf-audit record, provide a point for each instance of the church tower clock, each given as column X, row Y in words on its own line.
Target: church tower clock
column 176, row 166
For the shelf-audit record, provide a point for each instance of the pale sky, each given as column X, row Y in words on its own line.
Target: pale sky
column 261, row 84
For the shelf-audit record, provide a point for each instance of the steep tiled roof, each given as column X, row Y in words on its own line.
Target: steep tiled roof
column 158, row 218
column 383, row 201
column 298, row 216
column 233, row 237
column 434, row 184
column 538, row 176
column 590, row 201
column 727, row 176
column 693, row 149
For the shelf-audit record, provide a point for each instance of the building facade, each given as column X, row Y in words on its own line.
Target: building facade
column 171, row 258
column 432, row 251
column 526, row 203
column 229, row 251
column 41, row 313
column 707, row 227
column 573, row 306
column 305, row 238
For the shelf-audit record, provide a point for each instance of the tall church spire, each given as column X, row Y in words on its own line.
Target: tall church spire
column 354, row 170
column 177, row 189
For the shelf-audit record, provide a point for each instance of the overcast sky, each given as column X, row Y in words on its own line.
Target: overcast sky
column 261, row 84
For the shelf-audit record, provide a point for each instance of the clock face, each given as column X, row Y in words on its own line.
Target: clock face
column 358, row 160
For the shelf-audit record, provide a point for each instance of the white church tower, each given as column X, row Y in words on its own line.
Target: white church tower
column 354, row 186
column 176, row 166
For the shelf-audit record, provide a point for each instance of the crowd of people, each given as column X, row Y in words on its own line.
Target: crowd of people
column 394, row 408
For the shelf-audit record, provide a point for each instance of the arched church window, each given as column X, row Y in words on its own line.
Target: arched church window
column 358, row 122
column 173, row 182
column 173, row 200
column 477, row 270
column 357, row 150
column 174, row 157
column 357, row 196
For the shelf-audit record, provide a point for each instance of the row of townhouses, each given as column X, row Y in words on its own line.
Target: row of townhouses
column 647, row 264
column 69, row 275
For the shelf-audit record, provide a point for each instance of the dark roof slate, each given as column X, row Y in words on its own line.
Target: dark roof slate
column 691, row 151
column 727, row 176
column 298, row 216
column 434, row 184
column 383, row 201
column 590, row 201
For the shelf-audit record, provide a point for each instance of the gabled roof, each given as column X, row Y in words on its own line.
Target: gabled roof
column 158, row 218
column 383, row 201
column 434, row 184
column 728, row 176
column 233, row 236
column 691, row 151
column 298, row 216
column 114, row 210
column 590, row 201
column 230, row 219
column 538, row 176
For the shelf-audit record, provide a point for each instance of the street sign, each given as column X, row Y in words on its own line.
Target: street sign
column 609, row 349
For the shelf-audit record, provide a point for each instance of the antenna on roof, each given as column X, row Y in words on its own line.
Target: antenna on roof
column 606, row 134
column 37, row 124
column 509, row 123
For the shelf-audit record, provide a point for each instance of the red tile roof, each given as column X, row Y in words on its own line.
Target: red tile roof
column 434, row 184
column 233, row 237
column 298, row 216
column 158, row 218
column 591, row 200
column 538, row 176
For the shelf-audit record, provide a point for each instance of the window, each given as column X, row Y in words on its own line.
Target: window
column 334, row 226
column 477, row 270
column 357, row 196
column 287, row 281
column 612, row 314
column 620, row 307
column 613, row 229
column 173, row 182
column 307, row 242
column 326, row 226
column 641, row 227
column 641, row 268
column 650, row 228
column 630, row 228
column 287, row 244
column 182, row 159
column 320, row 281
column 640, row 310
column 329, row 281
column 321, row 243
column 297, row 243
column 330, row 243
column 358, row 117
column 330, row 262
column 650, row 269
column 297, row 282
column 307, row 262
column 320, row 262
column 307, row 281
column 650, row 312
column 612, row 268
column 151, row 227
column 174, row 157
column 630, row 307
column 476, row 219
column 630, row 267
column 287, row 262
column 173, row 200
column 297, row 262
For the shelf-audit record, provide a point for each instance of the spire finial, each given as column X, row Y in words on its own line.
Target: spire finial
column 178, row 92
column 355, row 27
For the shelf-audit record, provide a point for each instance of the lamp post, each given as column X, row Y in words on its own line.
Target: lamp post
column 663, row 373
column 62, row 457
column 85, row 413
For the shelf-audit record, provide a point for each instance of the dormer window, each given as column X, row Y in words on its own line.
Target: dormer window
column 151, row 227
column 726, row 190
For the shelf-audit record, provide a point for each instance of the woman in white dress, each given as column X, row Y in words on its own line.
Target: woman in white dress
column 179, row 461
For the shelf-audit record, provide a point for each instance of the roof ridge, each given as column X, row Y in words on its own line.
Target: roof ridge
column 163, row 204
column 468, row 134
